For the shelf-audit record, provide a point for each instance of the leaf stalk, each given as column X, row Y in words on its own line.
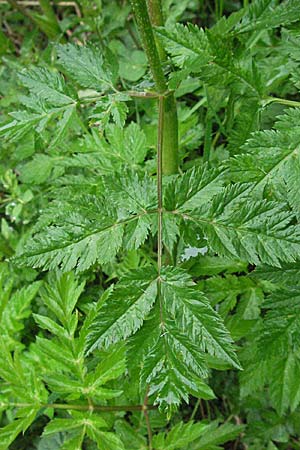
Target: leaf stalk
column 81, row 407
column 281, row 101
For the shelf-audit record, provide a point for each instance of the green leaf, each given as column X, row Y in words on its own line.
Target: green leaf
column 292, row 180
column 124, row 311
column 75, row 443
column 47, row 100
column 14, row 311
column 262, row 15
column 253, row 231
column 61, row 295
column 38, row 120
column 23, row 123
column 270, row 157
column 112, row 106
column 105, row 440
column 171, row 348
column 38, row 169
column 78, row 243
column 195, row 317
column 121, row 147
column 215, row 436
column 129, row 436
column 57, row 425
column 284, row 386
column 90, row 425
column 110, row 367
column 46, row 84
column 94, row 231
column 49, row 350
column 62, row 384
column 274, row 359
column 48, row 324
column 179, row 436
column 209, row 55
column 286, row 275
column 22, row 380
column 53, row 441
column 191, row 190
column 281, row 322
column 129, row 144
column 9, row 433
column 87, row 67
column 133, row 66
column 187, row 44
column 213, row 265
column 169, row 379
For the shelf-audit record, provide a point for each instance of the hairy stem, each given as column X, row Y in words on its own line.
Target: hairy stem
column 155, row 12
column 147, row 36
column 157, row 20
column 170, row 141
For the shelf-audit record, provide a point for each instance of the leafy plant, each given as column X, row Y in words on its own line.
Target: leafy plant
column 150, row 237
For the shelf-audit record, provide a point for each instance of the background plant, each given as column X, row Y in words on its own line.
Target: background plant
column 136, row 278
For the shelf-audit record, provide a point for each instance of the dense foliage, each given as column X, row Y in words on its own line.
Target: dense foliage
column 141, row 306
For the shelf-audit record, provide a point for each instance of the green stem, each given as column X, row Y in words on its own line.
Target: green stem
column 170, row 146
column 195, row 409
column 147, row 36
column 147, row 419
column 81, row 407
column 207, row 137
column 160, row 140
column 219, row 8
column 155, row 12
column 282, row 101
column 157, row 20
column 208, row 410
column 170, row 141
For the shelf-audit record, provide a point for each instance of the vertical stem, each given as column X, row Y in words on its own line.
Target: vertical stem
column 147, row 419
column 160, row 140
column 170, row 147
column 147, row 36
column 195, row 409
column 155, row 12
column 157, row 20
column 207, row 137
column 170, row 153
column 170, row 141
column 219, row 8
